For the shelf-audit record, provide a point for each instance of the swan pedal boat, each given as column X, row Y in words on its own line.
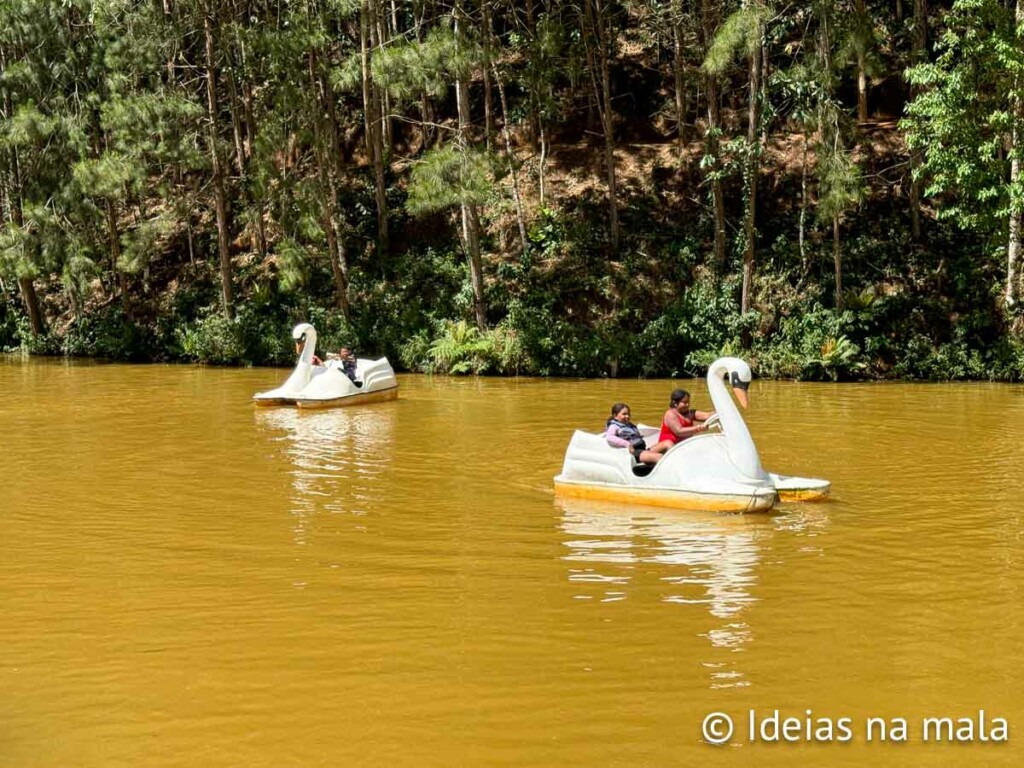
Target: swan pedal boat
column 710, row 471
column 326, row 386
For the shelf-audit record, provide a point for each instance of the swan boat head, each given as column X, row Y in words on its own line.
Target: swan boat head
column 305, row 344
column 740, row 444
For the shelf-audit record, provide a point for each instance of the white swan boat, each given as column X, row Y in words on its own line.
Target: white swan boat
column 327, row 386
column 710, row 471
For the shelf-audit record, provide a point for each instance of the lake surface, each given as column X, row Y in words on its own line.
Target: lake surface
column 186, row 580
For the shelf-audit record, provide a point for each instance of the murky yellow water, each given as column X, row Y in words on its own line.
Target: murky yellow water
column 186, row 580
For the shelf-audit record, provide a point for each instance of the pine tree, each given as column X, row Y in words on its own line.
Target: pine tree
column 968, row 120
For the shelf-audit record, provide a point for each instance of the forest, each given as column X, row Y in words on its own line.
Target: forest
column 831, row 189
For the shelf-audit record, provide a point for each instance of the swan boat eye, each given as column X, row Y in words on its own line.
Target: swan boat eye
column 738, row 382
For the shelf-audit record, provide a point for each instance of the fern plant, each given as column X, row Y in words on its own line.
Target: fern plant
column 838, row 356
column 461, row 349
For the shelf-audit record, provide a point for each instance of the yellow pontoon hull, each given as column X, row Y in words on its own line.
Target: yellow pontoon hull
column 380, row 396
column 758, row 500
column 803, row 495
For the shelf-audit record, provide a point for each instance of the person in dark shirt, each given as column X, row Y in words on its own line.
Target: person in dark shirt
column 348, row 364
column 620, row 432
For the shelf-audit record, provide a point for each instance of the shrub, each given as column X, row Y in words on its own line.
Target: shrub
column 415, row 353
column 10, row 326
column 213, row 339
column 112, row 334
column 461, row 348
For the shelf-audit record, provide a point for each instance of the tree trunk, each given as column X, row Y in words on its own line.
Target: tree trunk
column 488, row 96
column 520, row 218
column 339, row 262
column 236, row 125
column 114, row 239
column 680, row 81
column 26, row 286
column 35, row 314
column 837, row 259
column 599, row 61
column 13, row 211
column 220, row 198
column 247, row 111
column 803, row 204
column 914, row 198
column 373, row 111
column 333, row 127
column 753, row 168
column 862, row 64
column 542, row 163
column 364, row 58
column 168, row 8
column 5, row 207
column 1013, row 249
column 383, row 98
column 426, row 110
column 609, row 135
column 259, row 239
column 470, row 219
column 714, row 126
column 325, row 146
column 920, row 46
column 427, row 115
column 1013, row 252
column 471, row 233
column 380, row 184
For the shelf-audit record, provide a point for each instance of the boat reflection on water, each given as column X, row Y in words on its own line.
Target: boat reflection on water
column 683, row 558
column 336, row 457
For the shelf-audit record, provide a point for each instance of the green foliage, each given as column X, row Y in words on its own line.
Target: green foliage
column 447, row 177
column 15, row 253
column 103, row 122
column 106, row 176
column 741, row 32
column 555, row 345
column 214, row 339
column 690, row 332
column 964, row 113
column 462, row 348
column 79, row 268
column 407, row 69
column 110, row 334
column 292, row 262
column 800, row 91
column 811, row 345
column 838, row 356
column 250, row 338
column 11, row 322
column 333, row 330
column 841, row 184
column 510, row 357
column 860, row 301
column 414, row 354
column 143, row 242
